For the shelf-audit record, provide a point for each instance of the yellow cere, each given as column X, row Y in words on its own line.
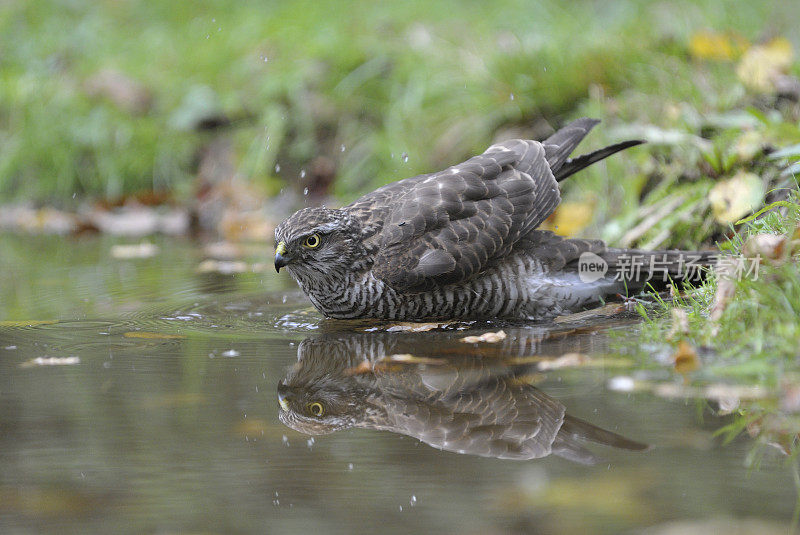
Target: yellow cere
column 282, row 402
column 281, row 248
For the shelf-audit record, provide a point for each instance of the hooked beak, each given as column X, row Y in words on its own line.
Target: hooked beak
column 282, row 395
column 280, row 260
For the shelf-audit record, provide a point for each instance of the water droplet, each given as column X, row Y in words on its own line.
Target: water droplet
column 342, row 148
column 305, row 191
column 230, row 353
column 302, row 173
column 276, row 503
column 284, row 299
column 310, row 442
column 511, row 96
column 401, row 508
column 404, row 157
column 207, row 36
column 413, row 500
column 350, row 466
column 285, row 440
column 277, row 168
column 213, row 20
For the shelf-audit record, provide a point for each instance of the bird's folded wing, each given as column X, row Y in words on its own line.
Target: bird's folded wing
column 449, row 226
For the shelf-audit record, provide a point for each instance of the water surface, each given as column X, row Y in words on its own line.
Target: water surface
column 141, row 396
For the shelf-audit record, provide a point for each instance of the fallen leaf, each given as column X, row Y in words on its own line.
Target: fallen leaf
column 685, row 358
column 51, row 361
column 731, row 199
column 707, row 44
column 762, row 65
column 570, row 218
column 152, row 336
column 489, row 338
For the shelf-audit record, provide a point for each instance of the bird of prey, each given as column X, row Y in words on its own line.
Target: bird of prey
column 456, row 403
column 463, row 243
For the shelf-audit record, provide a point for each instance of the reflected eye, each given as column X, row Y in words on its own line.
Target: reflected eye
column 312, row 242
column 316, row 409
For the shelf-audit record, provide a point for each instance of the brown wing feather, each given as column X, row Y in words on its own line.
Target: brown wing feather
column 448, row 226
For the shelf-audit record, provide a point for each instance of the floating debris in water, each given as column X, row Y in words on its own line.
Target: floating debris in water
column 51, row 361
column 489, row 338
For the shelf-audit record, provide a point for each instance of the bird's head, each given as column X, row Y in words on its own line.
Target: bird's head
column 314, row 409
column 317, row 242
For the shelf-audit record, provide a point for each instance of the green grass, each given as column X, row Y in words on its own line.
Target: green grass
column 301, row 79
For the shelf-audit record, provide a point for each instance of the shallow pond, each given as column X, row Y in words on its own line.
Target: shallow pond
column 142, row 396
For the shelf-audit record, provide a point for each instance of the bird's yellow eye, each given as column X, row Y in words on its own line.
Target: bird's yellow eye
column 316, row 409
column 312, row 242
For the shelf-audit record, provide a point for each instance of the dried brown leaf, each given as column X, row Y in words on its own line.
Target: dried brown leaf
column 489, row 338
column 685, row 358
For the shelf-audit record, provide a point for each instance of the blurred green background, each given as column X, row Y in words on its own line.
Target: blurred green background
column 102, row 99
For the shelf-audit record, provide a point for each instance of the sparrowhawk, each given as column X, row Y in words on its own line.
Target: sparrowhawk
column 463, row 242
column 459, row 403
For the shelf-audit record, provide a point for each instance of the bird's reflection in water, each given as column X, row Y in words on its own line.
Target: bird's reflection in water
column 465, row 404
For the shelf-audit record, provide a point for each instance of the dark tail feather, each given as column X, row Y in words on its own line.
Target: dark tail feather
column 560, row 145
column 574, row 431
column 573, row 165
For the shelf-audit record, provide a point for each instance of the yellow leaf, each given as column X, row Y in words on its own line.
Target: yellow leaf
column 732, row 199
column 707, row 44
column 570, row 218
column 685, row 358
column 761, row 65
column 152, row 336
